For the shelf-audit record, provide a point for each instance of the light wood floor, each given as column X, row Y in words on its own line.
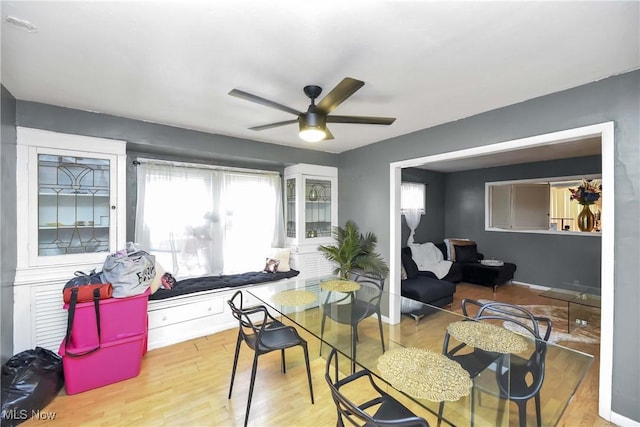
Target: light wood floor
column 187, row 384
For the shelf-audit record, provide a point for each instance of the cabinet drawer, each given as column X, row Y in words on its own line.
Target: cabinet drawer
column 184, row 312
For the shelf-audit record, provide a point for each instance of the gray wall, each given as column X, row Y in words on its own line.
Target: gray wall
column 431, row 227
column 8, row 250
column 542, row 259
column 157, row 141
column 364, row 189
column 146, row 137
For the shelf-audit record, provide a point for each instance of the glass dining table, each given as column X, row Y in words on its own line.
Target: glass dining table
column 412, row 362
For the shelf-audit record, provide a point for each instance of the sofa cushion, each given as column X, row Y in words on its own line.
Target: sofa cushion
column 427, row 290
column 455, row 243
column 488, row 275
column 448, row 243
column 443, row 248
column 409, row 266
column 466, row 253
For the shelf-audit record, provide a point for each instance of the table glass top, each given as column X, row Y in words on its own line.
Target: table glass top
column 582, row 295
column 306, row 304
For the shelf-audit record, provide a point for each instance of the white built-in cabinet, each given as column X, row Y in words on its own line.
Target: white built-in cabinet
column 520, row 206
column 311, row 212
column 71, row 215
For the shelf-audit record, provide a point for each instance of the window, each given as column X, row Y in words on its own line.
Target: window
column 201, row 221
column 413, row 197
column 535, row 204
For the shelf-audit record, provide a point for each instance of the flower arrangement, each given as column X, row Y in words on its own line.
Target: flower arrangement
column 588, row 193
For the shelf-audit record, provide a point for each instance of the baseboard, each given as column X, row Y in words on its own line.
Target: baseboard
column 530, row 285
column 621, row 420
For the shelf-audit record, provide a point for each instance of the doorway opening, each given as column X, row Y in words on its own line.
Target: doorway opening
column 605, row 131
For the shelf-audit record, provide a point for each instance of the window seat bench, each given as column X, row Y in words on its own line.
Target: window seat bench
column 184, row 315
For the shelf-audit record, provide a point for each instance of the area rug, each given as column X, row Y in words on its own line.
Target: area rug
column 585, row 334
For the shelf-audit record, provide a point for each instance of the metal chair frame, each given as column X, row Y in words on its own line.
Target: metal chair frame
column 264, row 337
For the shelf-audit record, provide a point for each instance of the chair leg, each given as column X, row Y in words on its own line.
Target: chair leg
column 538, row 412
column 324, row 319
column 522, row 412
column 440, row 411
column 283, row 368
column 235, row 364
column 381, row 334
column 473, row 404
column 251, row 384
column 354, row 328
column 306, row 360
column 502, row 402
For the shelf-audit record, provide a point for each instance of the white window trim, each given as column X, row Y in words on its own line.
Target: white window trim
column 549, row 180
column 607, row 133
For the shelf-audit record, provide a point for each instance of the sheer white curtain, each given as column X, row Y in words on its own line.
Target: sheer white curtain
column 253, row 220
column 201, row 221
column 412, row 205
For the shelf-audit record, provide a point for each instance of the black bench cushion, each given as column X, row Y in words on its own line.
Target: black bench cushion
column 198, row 284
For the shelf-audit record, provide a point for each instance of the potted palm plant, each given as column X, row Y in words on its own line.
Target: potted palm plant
column 354, row 251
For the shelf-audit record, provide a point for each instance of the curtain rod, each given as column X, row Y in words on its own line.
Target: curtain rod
column 202, row 166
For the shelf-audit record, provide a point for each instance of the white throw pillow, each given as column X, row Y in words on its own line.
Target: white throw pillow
column 157, row 280
column 282, row 255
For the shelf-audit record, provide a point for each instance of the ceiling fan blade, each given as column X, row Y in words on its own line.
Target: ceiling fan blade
column 274, row 125
column 329, row 134
column 365, row 120
column 258, row 100
column 338, row 94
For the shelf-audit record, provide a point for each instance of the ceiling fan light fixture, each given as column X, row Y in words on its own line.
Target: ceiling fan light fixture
column 312, row 134
column 312, row 125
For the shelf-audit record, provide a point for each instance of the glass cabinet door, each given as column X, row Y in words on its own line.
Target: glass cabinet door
column 317, row 196
column 74, row 203
column 291, row 208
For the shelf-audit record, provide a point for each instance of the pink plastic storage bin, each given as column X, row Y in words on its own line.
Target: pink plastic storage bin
column 119, row 318
column 114, row 361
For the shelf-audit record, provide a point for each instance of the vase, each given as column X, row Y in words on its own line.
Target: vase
column 586, row 219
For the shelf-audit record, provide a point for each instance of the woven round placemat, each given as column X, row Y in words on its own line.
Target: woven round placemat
column 294, row 298
column 424, row 374
column 340, row 285
column 487, row 337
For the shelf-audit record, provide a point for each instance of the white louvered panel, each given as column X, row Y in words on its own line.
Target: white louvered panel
column 325, row 267
column 49, row 318
column 310, row 265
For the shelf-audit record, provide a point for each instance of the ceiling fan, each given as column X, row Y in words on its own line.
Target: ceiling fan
column 313, row 123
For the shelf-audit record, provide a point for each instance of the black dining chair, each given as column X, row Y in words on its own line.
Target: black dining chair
column 381, row 411
column 355, row 306
column 263, row 337
column 511, row 370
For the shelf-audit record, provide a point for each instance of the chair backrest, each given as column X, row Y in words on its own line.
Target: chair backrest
column 351, row 411
column 533, row 368
column 510, row 313
column 246, row 326
column 372, row 286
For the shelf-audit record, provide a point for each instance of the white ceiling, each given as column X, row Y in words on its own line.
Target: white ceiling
column 423, row 62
